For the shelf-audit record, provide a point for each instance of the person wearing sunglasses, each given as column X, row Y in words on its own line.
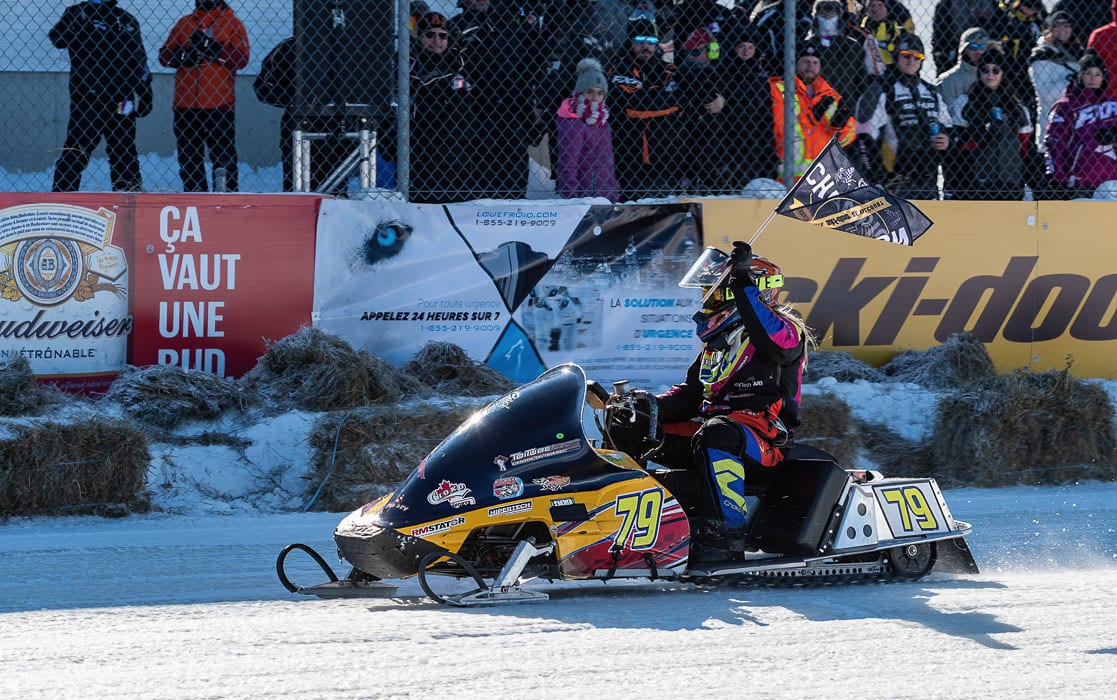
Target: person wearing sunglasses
column 644, row 112
column 911, row 121
column 442, row 101
column 953, row 85
column 1081, row 141
column 951, row 20
column 997, row 130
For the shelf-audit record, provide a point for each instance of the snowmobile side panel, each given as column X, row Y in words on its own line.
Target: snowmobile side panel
column 794, row 516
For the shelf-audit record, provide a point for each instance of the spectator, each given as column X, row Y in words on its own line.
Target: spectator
column 1103, row 40
column 842, row 55
column 585, row 166
column 1017, row 27
column 820, row 111
column 442, row 107
column 110, row 87
column 748, row 116
column 645, row 113
column 913, row 119
column 878, row 25
column 505, row 59
column 952, row 18
column 701, row 160
column 206, row 48
column 768, row 20
column 1085, row 15
column 682, row 17
column 998, row 127
column 958, row 160
column 1083, row 131
column 1054, row 61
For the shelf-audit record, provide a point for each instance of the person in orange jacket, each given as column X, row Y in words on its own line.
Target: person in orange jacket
column 206, row 48
column 820, row 109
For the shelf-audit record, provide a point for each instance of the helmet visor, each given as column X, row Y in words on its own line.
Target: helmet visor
column 706, row 270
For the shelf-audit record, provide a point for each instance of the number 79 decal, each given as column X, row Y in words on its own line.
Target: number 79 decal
column 910, row 509
column 641, row 515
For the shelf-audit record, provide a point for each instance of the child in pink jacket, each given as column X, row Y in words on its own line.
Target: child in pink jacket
column 585, row 140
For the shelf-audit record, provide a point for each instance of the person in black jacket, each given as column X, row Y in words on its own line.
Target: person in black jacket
column 110, row 86
column 502, row 48
column 748, row 112
column 442, row 100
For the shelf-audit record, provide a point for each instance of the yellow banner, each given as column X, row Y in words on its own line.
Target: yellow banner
column 1035, row 281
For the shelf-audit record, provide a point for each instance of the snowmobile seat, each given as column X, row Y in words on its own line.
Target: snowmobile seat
column 794, row 515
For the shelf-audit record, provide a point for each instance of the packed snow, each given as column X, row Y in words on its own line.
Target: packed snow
column 185, row 603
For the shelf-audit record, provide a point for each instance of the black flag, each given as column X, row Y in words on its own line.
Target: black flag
column 834, row 195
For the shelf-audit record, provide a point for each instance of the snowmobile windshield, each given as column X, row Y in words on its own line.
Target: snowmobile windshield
column 527, row 443
column 707, row 270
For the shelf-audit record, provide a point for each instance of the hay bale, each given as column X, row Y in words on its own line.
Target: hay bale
column 319, row 372
column 894, row 455
column 366, row 452
column 827, row 423
column 962, row 362
column 447, row 369
column 166, row 396
column 96, row 466
column 1028, row 428
column 19, row 392
column 841, row 366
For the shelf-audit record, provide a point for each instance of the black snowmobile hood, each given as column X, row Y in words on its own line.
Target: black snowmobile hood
column 528, row 443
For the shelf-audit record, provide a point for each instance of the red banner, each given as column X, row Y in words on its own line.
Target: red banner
column 215, row 276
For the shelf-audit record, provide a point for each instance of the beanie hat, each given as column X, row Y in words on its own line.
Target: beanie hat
column 974, row 35
column 431, row 20
column 590, row 75
column 909, row 42
column 992, row 57
column 808, row 48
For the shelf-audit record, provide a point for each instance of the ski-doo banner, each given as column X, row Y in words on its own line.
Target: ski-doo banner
column 833, row 194
column 520, row 286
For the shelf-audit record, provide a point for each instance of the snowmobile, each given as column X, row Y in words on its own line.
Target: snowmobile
column 519, row 491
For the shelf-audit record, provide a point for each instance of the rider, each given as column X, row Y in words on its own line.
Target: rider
column 734, row 412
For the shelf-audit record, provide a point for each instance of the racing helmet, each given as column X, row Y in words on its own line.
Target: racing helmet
column 767, row 277
column 719, row 314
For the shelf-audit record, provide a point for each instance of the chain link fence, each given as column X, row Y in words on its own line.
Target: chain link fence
column 947, row 99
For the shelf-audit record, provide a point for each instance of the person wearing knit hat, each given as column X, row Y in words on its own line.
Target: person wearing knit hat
column 644, row 105
column 995, row 129
column 743, row 74
column 1053, row 62
column 1082, row 134
column 820, row 111
column 585, row 165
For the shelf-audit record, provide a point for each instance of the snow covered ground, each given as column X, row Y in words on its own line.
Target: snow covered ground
column 186, row 604
column 189, row 607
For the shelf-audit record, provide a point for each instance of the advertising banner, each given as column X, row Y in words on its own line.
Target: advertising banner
column 217, row 276
column 64, row 277
column 520, row 286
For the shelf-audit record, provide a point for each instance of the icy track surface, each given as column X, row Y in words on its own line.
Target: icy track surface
column 182, row 607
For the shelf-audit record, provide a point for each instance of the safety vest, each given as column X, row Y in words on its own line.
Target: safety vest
column 811, row 135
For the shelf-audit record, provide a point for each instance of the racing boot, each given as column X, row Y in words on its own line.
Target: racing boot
column 713, row 541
